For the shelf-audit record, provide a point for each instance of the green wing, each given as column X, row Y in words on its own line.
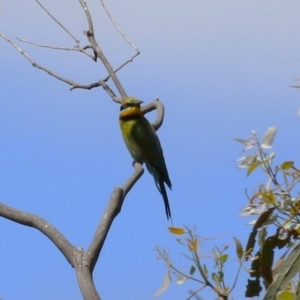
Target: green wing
column 147, row 140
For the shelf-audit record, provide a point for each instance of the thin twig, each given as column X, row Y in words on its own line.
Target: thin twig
column 185, row 275
column 125, row 37
column 34, row 64
column 119, row 29
column 123, row 65
column 74, row 84
column 194, row 293
column 104, row 85
column 75, row 48
column 237, row 275
column 57, row 22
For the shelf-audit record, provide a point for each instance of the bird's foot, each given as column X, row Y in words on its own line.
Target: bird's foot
column 136, row 161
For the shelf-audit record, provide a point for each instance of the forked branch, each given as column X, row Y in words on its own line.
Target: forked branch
column 84, row 261
column 93, row 45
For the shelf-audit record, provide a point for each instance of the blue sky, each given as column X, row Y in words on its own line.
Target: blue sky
column 221, row 68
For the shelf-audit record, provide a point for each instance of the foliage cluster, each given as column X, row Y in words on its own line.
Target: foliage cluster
column 276, row 205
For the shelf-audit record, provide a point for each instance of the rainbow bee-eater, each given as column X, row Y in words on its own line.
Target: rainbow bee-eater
column 144, row 145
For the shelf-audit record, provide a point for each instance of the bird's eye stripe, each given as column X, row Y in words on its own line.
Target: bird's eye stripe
column 126, row 105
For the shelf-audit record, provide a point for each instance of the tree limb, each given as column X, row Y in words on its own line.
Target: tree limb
column 31, row 220
column 112, row 210
column 85, row 278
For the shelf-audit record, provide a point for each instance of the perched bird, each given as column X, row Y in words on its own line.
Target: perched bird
column 144, row 145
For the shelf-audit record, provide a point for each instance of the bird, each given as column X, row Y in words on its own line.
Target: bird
column 144, row 146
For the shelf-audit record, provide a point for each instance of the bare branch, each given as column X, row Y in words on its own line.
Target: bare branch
column 160, row 112
column 75, row 48
column 123, row 65
column 138, row 172
column 27, row 219
column 96, row 84
column 91, row 37
column 34, row 64
column 94, row 46
column 119, row 29
column 124, row 36
column 112, row 210
column 57, row 22
column 74, row 84
column 76, row 257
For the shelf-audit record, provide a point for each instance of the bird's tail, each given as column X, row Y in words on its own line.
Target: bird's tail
column 159, row 182
column 162, row 189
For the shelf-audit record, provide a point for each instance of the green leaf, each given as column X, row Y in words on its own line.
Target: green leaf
column 269, row 136
column 289, row 268
column 238, row 248
column 287, row 165
column 223, row 258
column 252, row 167
column 286, row 295
column 192, row 270
column 221, row 275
